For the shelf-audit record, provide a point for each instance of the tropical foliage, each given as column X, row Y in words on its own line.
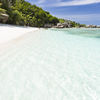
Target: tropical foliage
column 1, row 9
column 23, row 13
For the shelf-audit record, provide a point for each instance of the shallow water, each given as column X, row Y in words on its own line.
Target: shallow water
column 54, row 64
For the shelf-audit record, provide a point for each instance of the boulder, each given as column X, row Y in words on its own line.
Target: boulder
column 48, row 25
column 3, row 18
column 64, row 25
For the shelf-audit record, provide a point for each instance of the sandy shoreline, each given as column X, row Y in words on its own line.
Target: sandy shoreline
column 50, row 65
column 9, row 32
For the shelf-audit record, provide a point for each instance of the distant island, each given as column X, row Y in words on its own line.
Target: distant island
column 20, row 12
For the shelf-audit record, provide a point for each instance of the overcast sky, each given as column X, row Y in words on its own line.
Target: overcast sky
column 83, row 11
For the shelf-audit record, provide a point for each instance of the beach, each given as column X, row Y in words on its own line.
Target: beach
column 49, row 50
column 51, row 64
column 10, row 32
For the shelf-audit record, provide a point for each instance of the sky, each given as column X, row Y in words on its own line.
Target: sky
column 82, row 11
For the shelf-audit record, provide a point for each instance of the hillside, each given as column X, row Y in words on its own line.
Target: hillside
column 23, row 13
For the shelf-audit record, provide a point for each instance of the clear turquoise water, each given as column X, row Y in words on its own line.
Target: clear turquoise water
column 53, row 64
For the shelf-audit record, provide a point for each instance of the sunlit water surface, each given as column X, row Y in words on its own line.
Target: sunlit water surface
column 53, row 64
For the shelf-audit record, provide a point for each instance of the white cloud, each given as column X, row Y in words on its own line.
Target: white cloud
column 77, row 2
column 41, row 1
column 59, row 3
column 83, row 18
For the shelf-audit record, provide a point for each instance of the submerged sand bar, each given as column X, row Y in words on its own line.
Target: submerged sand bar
column 9, row 32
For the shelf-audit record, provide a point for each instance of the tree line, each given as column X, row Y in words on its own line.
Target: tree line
column 22, row 12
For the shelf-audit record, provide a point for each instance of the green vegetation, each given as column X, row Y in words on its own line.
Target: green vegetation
column 62, row 20
column 1, row 9
column 23, row 13
column 74, row 24
column 71, row 23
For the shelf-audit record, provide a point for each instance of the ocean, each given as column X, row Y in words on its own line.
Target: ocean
column 52, row 64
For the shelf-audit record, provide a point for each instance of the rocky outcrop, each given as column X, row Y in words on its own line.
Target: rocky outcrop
column 3, row 17
column 48, row 25
column 92, row 26
column 64, row 25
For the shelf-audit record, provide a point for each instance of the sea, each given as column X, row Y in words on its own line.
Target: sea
column 52, row 64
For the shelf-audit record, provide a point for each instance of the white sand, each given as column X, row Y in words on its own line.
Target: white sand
column 51, row 65
column 9, row 32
